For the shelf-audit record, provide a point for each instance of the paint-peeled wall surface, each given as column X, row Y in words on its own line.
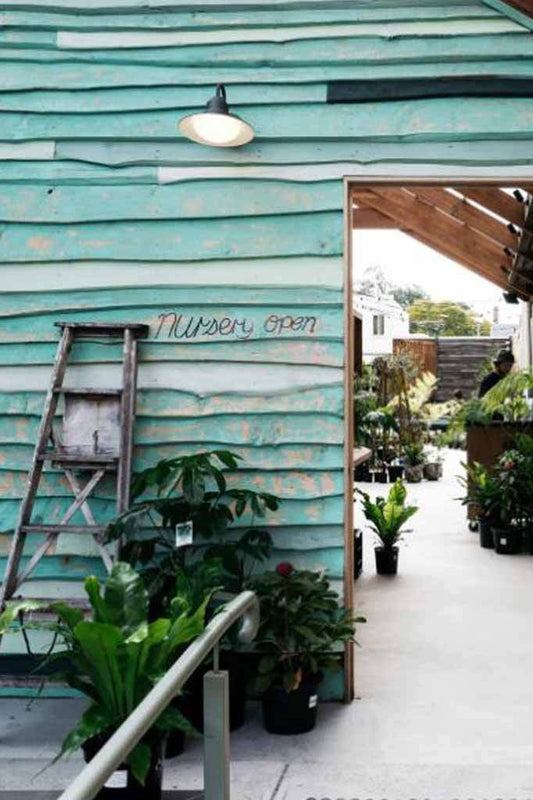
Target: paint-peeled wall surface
column 232, row 257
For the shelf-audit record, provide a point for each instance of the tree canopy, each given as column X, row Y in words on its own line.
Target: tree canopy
column 444, row 318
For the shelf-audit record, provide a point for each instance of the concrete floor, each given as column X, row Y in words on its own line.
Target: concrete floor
column 444, row 682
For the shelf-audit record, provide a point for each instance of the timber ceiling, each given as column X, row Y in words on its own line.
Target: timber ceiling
column 489, row 230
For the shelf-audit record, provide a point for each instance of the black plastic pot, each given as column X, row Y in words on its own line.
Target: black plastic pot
column 133, row 790
column 289, row 713
column 507, row 540
column 191, row 703
column 386, row 560
column 362, row 474
column 381, row 476
column 486, row 538
column 395, row 473
column 175, row 744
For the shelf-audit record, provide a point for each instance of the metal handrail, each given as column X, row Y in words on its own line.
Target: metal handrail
column 93, row 777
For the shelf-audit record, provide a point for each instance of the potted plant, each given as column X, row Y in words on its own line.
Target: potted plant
column 387, row 518
column 514, row 473
column 414, row 462
column 396, row 469
column 484, row 494
column 192, row 491
column 432, row 467
column 115, row 657
column 300, row 626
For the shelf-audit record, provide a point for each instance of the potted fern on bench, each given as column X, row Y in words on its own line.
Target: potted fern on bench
column 114, row 656
column 388, row 517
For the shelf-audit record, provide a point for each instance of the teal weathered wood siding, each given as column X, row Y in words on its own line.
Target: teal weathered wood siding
column 107, row 214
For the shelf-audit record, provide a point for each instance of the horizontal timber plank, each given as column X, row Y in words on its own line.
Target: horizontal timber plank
column 286, row 484
column 296, row 235
column 80, row 75
column 202, row 324
column 253, row 430
column 268, row 457
column 217, row 18
column 293, row 351
column 160, row 403
column 319, row 511
column 433, row 119
column 74, row 40
column 352, row 50
column 273, row 154
column 203, row 199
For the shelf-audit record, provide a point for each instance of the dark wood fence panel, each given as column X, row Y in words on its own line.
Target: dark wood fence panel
column 460, row 362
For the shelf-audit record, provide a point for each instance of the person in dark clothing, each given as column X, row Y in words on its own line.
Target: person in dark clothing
column 503, row 364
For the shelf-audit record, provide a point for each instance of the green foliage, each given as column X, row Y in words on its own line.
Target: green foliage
column 117, row 656
column 506, row 398
column 441, row 318
column 193, row 489
column 300, row 625
column 388, row 516
column 483, row 490
column 414, row 454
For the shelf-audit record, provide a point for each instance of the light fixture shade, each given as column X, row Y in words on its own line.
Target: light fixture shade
column 216, row 126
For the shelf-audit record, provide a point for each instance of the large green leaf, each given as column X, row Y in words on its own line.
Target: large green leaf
column 92, row 587
column 172, row 718
column 100, row 644
column 94, row 721
column 139, row 762
column 126, row 598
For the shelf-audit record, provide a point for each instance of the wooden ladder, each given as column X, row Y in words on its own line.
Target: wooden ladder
column 78, row 457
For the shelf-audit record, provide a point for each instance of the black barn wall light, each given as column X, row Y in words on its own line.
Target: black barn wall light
column 217, row 126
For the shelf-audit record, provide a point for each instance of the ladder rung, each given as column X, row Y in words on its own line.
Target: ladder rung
column 97, row 392
column 76, row 458
column 80, row 329
column 81, row 529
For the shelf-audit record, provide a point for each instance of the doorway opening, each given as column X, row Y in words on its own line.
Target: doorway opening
column 484, row 225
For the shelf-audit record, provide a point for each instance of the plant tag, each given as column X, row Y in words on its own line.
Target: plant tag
column 118, row 780
column 184, row 534
column 313, row 700
column 503, row 541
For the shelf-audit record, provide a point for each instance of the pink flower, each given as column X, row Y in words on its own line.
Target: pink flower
column 284, row 569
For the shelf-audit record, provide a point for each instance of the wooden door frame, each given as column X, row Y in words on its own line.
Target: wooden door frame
column 472, row 176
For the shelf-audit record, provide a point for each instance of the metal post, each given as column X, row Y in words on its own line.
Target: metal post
column 216, row 736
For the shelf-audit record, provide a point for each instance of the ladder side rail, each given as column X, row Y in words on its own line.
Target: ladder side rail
column 127, row 416
column 45, row 428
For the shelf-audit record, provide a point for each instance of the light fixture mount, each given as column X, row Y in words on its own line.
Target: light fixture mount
column 217, row 126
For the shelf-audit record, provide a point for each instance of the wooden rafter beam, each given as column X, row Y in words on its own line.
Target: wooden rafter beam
column 461, row 209
column 505, row 205
column 445, row 234
column 369, row 218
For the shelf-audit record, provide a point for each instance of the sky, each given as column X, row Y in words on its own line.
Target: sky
column 406, row 261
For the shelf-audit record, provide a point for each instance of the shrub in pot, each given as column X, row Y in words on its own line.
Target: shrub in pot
column 484, row 494
column 387, row 517
column 514, row 473
column 414, row 463
column 193, row 491
column 301, row 624
column 115, row 657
